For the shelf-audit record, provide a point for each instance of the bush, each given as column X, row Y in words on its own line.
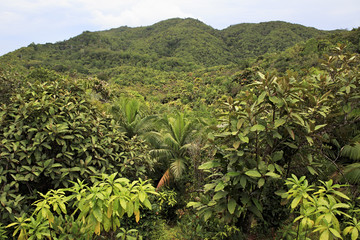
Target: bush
column 50, row 134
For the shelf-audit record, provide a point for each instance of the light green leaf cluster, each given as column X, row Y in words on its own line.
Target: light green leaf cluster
column 91, row 210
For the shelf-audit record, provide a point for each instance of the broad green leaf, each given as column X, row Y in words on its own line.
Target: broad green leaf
column 208, row 165
column 219, row 195
column 107, row 224
column 277, row 101
column 278, row 155
column 142, row 196
column 335, row 233
column 97, row 213
column 291, row 133
column 147, row 204
column 253, row 173
column 194, row 204
column 256, row 211
column 231, row 206
column 261, row 97
column 261, row 182
column 354, row 234
column 233, row 174
column 299, row 118
column 209, row 186
column 123, row 203
column 245, row 139
column 341, row 205
column 257, row 127
column 257, row 204
column 340, row 194
column 239, row 124
column 292, row 145
column 320, row 126
column 130, row 209
column 220, row 186
column 279, row 122
column 70, row 137
column 212, row 203
column 243, row 181
column 295, row 202
column 109, row 211
column 236, row 144
column 347, row 230
column 325, row 235
column 273, row 175
column 207, row 215
column 271, row 167
column 310, row 141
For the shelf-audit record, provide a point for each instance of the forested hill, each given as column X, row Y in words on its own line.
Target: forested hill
column 184, row 44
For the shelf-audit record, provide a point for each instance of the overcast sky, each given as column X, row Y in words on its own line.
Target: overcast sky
column 40, row 21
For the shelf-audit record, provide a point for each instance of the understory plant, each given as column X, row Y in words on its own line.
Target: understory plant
column 322, row 211
column 84, row 212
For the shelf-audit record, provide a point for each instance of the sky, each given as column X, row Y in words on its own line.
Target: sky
column 23, row 22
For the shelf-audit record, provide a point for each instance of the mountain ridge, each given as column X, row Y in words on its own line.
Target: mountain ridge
column 173, row 44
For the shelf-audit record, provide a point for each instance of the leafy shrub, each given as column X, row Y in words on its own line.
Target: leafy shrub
column 50, row 134
column 277, row 126
column 79, row 212
column 321, row 210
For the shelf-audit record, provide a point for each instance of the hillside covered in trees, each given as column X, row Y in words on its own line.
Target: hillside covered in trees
column 181, row 131
column 176, row 44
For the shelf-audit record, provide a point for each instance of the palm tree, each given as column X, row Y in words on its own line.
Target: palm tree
column 132, row 117
column 172, row 144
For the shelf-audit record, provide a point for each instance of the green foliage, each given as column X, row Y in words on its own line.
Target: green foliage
column 171, row 146
column 81, row 211
column 251, row 40
column 131, row 234
column 3, row 234
column 9, row 84
column 276, row 126
column 300, row 117
column 168, row 197
column 50, row 134
column 320, row 211
column 132, row 117
column 170, row 45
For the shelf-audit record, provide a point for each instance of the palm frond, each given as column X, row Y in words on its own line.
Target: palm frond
column 171, row 142
column 162, row 153
column 351, row 151
column 154, row 139
column 352, row 173
column 145, row 124
column 185, row 149
column 177, row 167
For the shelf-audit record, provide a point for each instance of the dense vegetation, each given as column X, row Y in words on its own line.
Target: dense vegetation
column 181, row 131
column 175, row 44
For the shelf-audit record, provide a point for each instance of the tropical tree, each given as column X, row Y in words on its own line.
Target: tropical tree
column 171, row 145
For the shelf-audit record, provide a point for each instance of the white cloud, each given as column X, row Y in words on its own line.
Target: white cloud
column 111, row 14
column 56, row 20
